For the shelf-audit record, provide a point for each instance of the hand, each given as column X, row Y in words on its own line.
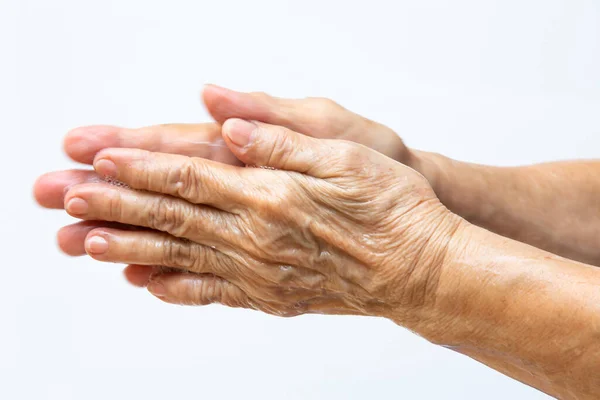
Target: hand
column 337, row 228
column 318, row 117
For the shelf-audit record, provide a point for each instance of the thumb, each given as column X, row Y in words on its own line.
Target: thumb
column 313, row 116
column 264, row 145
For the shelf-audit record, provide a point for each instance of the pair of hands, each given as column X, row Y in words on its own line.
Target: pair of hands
column 333, row 224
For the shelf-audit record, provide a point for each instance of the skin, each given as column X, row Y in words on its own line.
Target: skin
column 521, row 202
column 270, row 239
column 273, row 236
column 525, row 209
column 318, row 117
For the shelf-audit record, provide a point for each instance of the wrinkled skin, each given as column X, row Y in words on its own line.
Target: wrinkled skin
column 333, row 227
column 336, row 228
column 318, row 117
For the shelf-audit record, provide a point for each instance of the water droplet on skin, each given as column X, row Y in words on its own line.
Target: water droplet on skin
column 218, row 143
column 367, row 240
column 324, row 255
column 114, row 182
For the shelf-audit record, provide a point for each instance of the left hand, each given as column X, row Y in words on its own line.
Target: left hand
column 336, row 228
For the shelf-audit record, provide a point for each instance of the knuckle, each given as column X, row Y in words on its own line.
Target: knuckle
column 349, row 153
column 281, row 148
column 279, row 199
column 188, row 293
column 328, row 114
column 167, row 216
column 288, row 276
column 178, row 254
column 284, row 275
column 260, row 95
column 114, row 205
column 210, row 291
column 324, row 104
column 316, row 281
column 349, row 162
column 186, row 180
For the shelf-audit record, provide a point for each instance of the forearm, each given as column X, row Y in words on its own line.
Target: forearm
column 554, row 206
column 524, row 312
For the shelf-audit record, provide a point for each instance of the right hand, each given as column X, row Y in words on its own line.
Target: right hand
column 318, row 117
column 328, row 226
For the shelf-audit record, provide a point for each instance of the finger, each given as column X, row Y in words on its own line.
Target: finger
column 71, row 238
column 143, row 209
column 49, row 189
column 310, row 116
column 195, row 289
column 257, row 143
column 139, row 275
column 197, row 140
column 153, row 248
column 196, row 180
column 100, row 201
column 316, row 117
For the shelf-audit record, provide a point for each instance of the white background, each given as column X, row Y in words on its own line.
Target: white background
column 498, row 82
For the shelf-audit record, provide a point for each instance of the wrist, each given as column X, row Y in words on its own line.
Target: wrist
column 464, row 188
column 458, row 292
column 483, row 275
column 468, row 289
column 419, row 290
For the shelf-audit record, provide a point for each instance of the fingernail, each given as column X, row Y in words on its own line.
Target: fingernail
column 106, row 168
column 157, row 289
column 96, row 245
column 76, row 206
column 239, row 131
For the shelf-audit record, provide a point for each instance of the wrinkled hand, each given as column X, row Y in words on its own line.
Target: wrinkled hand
column 336, row 228
column 316, row 117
